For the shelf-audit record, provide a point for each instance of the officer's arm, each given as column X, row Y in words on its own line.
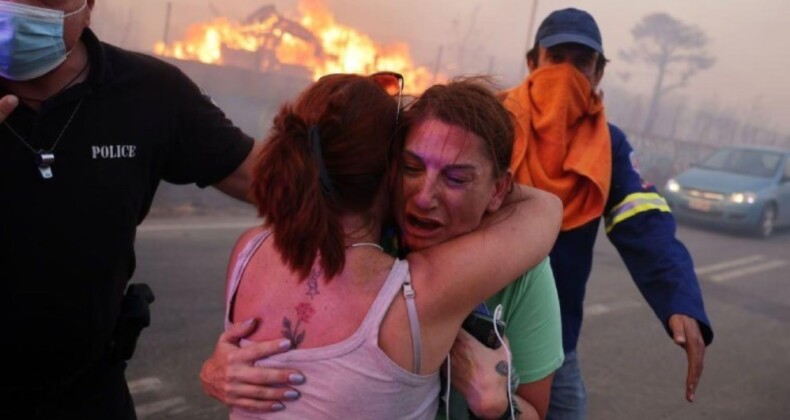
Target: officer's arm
column 237, row 184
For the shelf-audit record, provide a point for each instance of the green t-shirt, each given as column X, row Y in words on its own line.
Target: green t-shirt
column 531, row 311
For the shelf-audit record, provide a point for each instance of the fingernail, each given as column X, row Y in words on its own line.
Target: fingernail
column 285, row 344
column 277, row 406
column 292, row 394
column 248, row 322
column 296, row 378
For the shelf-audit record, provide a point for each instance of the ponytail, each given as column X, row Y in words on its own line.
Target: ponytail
column 326, row 157
column 287, row 191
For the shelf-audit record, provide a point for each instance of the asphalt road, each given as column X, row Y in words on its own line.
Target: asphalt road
column 632, row 370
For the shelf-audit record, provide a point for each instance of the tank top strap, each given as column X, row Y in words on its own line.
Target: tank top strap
column 398, row 279
column 239, row 266
column 392, row 285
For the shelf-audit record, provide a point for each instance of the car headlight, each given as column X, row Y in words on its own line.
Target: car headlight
column 673, row 185
column 744, row 197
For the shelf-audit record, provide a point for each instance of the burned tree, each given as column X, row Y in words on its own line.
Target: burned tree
column 677, row 50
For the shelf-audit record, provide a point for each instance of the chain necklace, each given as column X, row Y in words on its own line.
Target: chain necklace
column 45, row 157
column 370, row 244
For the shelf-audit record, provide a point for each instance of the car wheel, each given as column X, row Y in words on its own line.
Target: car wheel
column 767, row 223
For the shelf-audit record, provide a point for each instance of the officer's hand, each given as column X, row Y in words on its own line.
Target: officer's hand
column 474, row 373
column 230, row 376
column 7, row 104
column 686, row 333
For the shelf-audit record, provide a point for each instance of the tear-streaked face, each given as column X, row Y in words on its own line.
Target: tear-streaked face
column 448, row 184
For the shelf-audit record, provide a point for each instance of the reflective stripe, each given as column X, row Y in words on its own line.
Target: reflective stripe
column 634, row 204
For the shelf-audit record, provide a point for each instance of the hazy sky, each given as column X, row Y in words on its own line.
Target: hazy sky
column 747, row 38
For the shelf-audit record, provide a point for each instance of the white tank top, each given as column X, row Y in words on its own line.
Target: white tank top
column 351, row 379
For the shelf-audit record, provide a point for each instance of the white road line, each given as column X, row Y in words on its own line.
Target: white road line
column 596, row 309
column 187, row 227
column 140, row 386
column 145, row 410
column 728, row 264
column 178, row 410
column 768, row 265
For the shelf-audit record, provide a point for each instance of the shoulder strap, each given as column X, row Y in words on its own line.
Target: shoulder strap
column 399, row 278
column 241, row 262
column 414, row 323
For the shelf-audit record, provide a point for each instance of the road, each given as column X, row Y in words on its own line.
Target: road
column 632, row 370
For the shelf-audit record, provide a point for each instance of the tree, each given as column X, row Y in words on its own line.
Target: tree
column 676, row 49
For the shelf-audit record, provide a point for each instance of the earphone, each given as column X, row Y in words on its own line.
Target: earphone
column 447, row 391
column 497, row 316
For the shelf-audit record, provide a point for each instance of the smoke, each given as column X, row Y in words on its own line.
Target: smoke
column 475, row 36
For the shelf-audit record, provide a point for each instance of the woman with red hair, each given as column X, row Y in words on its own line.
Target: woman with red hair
column 369, row 331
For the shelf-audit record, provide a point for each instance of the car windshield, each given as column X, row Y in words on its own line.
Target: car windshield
column 744, row 161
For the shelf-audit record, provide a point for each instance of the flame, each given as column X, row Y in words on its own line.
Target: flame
column 331, row 48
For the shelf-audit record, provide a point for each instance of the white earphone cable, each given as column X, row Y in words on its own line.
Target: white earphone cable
column 497, row 316
column 447, row 391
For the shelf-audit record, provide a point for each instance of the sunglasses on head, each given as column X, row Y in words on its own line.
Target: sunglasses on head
column 392, row 83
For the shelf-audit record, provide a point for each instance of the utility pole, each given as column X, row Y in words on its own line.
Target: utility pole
column 438, row 65
column 166, row 35
column 530, row 31
column 127, row 29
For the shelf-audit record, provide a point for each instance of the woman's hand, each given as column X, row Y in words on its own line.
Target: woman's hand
column 231, row 377
column 480, row 374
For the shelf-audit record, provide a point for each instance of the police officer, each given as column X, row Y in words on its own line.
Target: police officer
column 87, row 131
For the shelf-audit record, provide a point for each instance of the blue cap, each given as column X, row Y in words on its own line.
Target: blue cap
column 569, row 26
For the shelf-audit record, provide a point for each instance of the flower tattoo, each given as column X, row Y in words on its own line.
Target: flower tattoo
column 304, row 311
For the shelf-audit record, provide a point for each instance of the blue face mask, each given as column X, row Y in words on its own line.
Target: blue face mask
column 31, row 40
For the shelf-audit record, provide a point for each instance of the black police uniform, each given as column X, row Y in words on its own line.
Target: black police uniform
column 67, row 241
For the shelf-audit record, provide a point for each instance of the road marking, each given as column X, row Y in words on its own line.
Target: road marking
column 140, row 386
column 596, row 309
column 178, row 410
column 145, row 410
column 768, row 265
column 186, row 226
column 728, row 264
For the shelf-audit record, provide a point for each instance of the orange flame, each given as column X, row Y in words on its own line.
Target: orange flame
column 336, row 48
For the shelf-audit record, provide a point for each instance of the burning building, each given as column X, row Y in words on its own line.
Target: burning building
column 258, row 63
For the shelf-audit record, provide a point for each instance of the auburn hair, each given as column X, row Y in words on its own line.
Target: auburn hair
column 355, row 122
column 471, row 104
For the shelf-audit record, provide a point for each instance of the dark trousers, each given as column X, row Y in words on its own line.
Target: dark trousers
column 101, row 394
